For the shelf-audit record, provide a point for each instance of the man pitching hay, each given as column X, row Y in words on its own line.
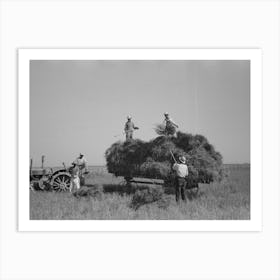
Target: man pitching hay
column 129, row 128
column 170, row 125
column 181, row 170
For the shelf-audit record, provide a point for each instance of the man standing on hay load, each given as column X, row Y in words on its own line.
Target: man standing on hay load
column 81, row 163
column 181, row 170
column 170, row 125
column 129, row 128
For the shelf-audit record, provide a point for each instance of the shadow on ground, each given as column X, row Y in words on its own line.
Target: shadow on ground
column 126, row 189
column 114, row 188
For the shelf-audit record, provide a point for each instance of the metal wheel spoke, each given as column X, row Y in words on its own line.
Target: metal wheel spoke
column 59, row 180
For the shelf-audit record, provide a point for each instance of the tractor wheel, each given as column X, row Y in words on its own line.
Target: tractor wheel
column 61, row 182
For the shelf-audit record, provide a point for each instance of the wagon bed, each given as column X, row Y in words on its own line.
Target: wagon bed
column 140, row 182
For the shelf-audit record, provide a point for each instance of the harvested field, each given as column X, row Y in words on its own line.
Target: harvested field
column 228, row 200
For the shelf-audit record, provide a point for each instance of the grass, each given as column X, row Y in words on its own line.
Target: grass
column 228, row 200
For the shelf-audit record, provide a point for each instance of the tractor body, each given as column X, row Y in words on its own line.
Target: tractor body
column 48, row 179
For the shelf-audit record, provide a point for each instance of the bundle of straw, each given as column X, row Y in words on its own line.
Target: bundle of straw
column 161, row 129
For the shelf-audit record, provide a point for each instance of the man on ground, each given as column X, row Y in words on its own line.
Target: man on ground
column 81, row 163
column 181, row 170
column 75, row 180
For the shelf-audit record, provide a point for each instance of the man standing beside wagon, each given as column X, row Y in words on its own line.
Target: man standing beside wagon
column 81, row 163
column 181, row 171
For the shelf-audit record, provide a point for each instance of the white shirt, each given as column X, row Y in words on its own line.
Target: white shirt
column 170, row 121
column 181, row 170
column 81, row 162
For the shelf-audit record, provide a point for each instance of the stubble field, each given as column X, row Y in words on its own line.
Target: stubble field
column 228, row 200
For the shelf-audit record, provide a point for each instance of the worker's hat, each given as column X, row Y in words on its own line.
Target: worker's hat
column 129, row 117
column 182, row 159
column 81, row 154
column 166, row 114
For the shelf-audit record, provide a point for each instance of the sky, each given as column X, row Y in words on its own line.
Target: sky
column 82, row 106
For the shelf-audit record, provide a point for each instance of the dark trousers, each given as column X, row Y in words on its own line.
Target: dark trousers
column 180, row 188
column 129, row 135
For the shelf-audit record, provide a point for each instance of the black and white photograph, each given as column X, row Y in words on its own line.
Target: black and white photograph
column 139, row 139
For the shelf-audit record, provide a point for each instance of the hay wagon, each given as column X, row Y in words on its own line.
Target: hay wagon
column 48, row 179
column 139, row 183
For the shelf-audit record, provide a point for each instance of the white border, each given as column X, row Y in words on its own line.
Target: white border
column 254, row 55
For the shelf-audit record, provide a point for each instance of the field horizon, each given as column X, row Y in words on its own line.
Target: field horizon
column 93, row 167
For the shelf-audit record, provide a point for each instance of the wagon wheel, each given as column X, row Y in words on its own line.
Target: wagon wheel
column 195, row 190
column 125, row 186
column 61, row 182
column 192, row 188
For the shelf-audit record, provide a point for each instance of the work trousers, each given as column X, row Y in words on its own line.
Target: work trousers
column 129, row 135
column 74, row 184
column 180, row 188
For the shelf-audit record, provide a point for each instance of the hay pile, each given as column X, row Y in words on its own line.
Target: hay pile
column 95, row 191
column 153, row 159
column 149, row 196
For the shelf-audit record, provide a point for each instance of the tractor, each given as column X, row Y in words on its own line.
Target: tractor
column 49, row 179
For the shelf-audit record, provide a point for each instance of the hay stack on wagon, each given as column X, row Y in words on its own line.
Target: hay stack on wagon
column 137, row 158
